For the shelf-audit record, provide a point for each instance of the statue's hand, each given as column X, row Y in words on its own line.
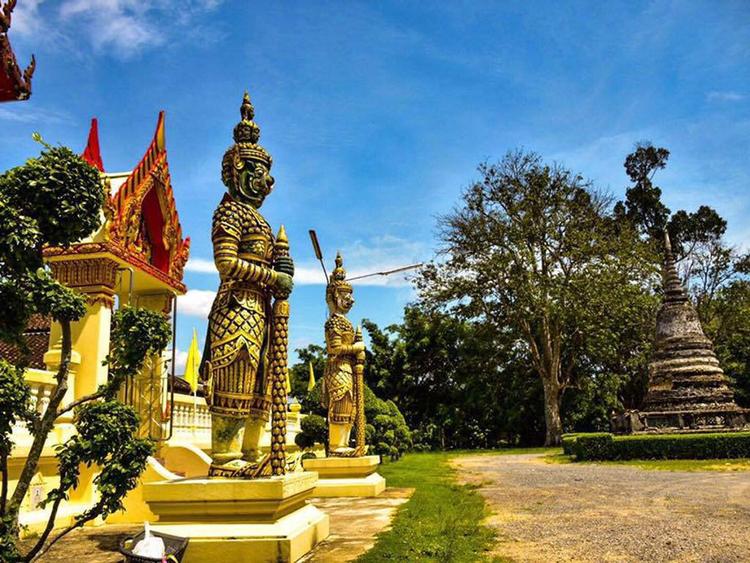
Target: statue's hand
column 284, row 285
column 358, row 347
column 284, row 264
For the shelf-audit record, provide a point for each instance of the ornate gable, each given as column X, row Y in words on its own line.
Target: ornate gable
column 144, row 218
column 141, row 228
column 14, row 85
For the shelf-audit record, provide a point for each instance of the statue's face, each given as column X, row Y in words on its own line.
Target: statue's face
column 344, row 300
column 254, row 184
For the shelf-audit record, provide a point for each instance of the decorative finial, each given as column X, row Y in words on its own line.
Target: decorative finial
column 247, row 111
column 281, row 238
column 247, row 131
column 673, row 290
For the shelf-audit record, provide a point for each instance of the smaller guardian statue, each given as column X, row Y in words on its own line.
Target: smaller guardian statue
column 343, row 386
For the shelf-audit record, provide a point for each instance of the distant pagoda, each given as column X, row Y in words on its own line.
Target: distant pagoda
column 688, row 390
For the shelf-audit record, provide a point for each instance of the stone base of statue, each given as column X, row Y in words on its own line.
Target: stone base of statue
column 346, row 476
column 719, row 419
column 247, row 520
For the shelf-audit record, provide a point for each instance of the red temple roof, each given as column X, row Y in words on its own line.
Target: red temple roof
column 145, row 213
column 14, row 84
column 91, row 153
column 142, row 227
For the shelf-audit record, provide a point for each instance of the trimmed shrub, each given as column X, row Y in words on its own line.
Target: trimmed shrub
column 724, row 445
column 313, row 430
column 567, row 442
column 597, row 446
column 386, row 431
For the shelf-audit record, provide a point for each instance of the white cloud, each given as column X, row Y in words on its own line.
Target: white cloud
column 200, row 265
column 196, row 302
column 25, row 18
column 180, row 359
column 29, row 114
column 726, row 96
column 122, row 27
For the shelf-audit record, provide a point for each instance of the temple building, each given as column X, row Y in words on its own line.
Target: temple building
column 688, row 390
column 14, row 84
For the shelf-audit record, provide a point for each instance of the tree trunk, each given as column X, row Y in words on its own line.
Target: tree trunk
column 46, row 424
column 552, row 396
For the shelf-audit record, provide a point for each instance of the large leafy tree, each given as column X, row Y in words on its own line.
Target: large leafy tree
column 56, row 199
column 532, row 251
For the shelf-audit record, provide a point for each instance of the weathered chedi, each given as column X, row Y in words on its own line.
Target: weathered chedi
column 244, row 360
column 688, row 390
column 343, row 385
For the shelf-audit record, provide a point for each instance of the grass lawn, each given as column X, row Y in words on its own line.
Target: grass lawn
column 441, row 522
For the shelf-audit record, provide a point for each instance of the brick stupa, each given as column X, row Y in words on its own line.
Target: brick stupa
column 688, row 390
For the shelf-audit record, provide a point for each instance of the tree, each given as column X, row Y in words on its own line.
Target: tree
column 56, row 199
column 643, row 206
column 533, row 252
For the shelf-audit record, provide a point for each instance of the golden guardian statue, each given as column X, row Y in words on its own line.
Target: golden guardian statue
column 244, row 360
column 343, row 385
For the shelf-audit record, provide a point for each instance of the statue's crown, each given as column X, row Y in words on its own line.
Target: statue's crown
column 247, row 134
column 339, row 274
column 246, row 131
column 337, row 279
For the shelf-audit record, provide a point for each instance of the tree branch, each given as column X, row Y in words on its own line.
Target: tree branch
column 78, row 402
column 43, row 538
column 4, row 494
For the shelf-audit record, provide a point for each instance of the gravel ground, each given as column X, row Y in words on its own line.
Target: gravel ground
column 582, row 512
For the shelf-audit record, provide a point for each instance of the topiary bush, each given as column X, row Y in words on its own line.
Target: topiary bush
column 567, row 442
column 596, row 447
column 386, row 432
column 313, row 430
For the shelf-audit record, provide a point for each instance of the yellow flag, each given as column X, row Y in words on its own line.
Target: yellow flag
column 311, row 381
column 288, row 383
column 193, row 363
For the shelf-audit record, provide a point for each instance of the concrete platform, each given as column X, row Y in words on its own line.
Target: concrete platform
column 370, row 486
column 346, row 476
column 259, row 520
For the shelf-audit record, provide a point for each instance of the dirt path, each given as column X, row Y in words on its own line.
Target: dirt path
column 581, row 512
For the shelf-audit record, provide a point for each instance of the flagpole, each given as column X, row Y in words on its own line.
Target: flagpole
column 195, row 409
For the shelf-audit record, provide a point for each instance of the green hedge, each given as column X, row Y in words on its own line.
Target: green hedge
column 567, row 442
column 603, row 446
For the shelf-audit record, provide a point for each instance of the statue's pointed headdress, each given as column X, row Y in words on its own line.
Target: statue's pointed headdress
column 337, row 279
column 245, row 148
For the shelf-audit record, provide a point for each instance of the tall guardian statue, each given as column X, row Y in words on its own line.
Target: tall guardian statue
column 244, row 361
column 343, row 386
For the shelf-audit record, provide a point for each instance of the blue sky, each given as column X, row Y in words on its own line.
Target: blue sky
column 377, row 113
